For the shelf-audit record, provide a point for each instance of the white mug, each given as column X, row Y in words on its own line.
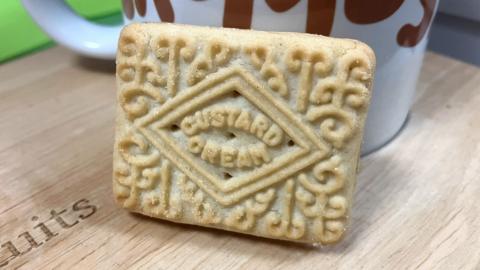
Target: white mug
column 395, row 29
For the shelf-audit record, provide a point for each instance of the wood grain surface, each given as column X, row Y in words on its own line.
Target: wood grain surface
column 417, row 203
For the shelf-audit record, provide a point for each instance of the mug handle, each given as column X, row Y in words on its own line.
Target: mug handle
column 67, row 28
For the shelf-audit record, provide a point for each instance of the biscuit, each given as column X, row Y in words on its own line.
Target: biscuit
column 247, row 131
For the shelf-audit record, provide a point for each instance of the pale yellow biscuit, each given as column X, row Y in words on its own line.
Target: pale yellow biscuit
column 246, row 131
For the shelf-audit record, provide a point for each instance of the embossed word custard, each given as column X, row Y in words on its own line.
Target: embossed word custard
column 225, row 155
column 246, row 131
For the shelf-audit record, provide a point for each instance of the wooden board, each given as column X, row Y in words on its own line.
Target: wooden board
column 417, row 203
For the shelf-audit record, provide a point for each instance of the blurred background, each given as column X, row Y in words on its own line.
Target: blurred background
column 455, row 31
column 21, row 36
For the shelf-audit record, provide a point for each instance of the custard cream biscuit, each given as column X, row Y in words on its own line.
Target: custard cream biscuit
column 247, row 131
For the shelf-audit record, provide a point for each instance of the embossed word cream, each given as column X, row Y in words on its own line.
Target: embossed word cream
column 246, row 131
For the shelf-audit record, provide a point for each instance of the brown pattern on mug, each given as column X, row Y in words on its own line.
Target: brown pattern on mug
column 164, row 9
column 238, row 14
column 128, row 8
column 410, row 35
column 319, row 15
column 281, row 5
column 373, row 11
column 370, row 11
column 141, row 7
